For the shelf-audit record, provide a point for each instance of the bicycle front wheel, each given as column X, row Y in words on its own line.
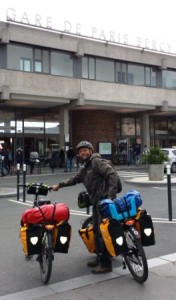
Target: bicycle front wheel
column 46, row 257
column 87, row 222
column 135, row 257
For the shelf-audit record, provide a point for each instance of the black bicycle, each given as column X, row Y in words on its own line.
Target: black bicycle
column 134, row 255
column 45, row 253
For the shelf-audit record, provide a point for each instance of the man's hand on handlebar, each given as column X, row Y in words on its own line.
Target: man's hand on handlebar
column 55, row 187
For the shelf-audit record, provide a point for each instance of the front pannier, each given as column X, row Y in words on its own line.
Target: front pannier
column 31, row 239
column 61, row 237
column 113, row 236
column 144, row 225
column 87, row 235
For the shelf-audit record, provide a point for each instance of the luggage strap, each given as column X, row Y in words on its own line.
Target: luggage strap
column 120, row 209
column 52, row 217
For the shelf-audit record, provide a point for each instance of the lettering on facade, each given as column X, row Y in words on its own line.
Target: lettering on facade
column 68, row 27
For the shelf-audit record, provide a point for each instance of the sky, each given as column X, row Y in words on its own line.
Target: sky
column 149, row 24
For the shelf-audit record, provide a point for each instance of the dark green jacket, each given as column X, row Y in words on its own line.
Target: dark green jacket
column 98, row 177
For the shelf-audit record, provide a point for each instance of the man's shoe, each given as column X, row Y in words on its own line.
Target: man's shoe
column 101, row 269
column 93, row 263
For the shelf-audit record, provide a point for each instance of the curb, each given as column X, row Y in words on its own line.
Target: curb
column 146, row 181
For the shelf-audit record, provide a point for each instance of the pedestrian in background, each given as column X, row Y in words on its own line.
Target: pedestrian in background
column 137, row 153
column 62, row 157
column 70, row 157
column 19, row 156
column 33, row 159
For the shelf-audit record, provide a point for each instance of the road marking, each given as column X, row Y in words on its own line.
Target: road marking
column 163, row 188
column 29, row 203
column 84, row 213
column 131, row 174
column 53, row 290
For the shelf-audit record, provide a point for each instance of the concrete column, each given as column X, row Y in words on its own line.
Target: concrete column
column 145, row 134
column 64, row 124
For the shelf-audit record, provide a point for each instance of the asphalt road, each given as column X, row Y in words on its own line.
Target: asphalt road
column 17, row 274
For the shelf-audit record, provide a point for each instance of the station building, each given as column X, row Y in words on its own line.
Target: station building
column 110, row 94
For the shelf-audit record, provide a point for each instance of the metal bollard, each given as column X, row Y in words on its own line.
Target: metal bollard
column 87, row 210
column 169, row 192
column 24, row 182
column 18, row 181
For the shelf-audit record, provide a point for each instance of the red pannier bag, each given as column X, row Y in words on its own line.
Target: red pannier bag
column 45, row 213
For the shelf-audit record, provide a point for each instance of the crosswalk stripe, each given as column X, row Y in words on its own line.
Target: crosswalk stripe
column 131, row 174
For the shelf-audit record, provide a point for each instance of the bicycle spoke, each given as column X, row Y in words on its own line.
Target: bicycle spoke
column 135, row 257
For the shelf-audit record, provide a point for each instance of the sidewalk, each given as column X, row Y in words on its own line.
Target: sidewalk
column 117, row 285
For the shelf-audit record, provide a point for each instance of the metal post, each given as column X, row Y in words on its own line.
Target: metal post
column 88, row 210
column 169, row 192
column 18, row 182
column 24, row 182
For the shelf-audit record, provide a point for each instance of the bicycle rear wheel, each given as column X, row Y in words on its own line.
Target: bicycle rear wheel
column 46, row 257
column 135, row 257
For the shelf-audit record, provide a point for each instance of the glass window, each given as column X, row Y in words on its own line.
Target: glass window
column 118, row 72
column 153, row 77
column 16, row 55
column 38, row 66
column 37, row 54
column 124, row 73
column 169, row 79
column 105, row 70
column 135, row 74
column 88, row 67
column 147, row 76
column 91, row 68
column 25, row 65
column 46, row 64
column 61, row 64
column 85, row 67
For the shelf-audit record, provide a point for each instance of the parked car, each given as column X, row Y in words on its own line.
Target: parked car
column 171, row 153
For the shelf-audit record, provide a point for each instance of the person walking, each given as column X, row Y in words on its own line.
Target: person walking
column 62, row 157
column 3, row 171
column 137, row 153
column 100, row 180
column 32, row 160
column 70, row 157
column 19, row 156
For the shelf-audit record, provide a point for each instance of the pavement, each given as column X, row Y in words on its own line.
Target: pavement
column 117, row 285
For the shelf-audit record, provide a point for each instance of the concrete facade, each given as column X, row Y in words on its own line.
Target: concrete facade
column 67, row 94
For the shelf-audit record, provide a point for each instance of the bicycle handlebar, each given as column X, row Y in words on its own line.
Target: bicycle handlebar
column 37, row 188
column 36, row 184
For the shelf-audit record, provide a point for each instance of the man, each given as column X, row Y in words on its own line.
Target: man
column 100, row 180
column 70, row 156
column 62, row 157
column 33, row 159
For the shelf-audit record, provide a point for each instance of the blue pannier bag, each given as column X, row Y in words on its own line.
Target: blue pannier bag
column 121, row 208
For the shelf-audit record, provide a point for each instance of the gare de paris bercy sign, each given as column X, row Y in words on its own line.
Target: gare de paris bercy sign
column 70, row 28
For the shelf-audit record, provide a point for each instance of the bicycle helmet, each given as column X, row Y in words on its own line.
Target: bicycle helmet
column 84, row 144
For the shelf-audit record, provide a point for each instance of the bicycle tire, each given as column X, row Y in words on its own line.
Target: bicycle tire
column 87, row 222
column 135, row 257
column 46, row 257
